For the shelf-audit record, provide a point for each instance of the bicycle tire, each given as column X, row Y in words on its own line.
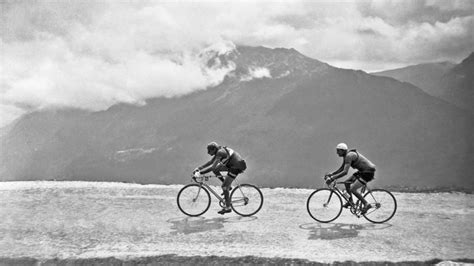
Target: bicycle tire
column 246, row 197
column 324, row 205
column 379, row 198
column 191, row 194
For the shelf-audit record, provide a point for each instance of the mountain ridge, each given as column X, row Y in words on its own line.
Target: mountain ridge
column 448, row 81
column 286, row 127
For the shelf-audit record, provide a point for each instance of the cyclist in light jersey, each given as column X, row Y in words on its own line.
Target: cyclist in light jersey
column 365, row 173
column 224, row 159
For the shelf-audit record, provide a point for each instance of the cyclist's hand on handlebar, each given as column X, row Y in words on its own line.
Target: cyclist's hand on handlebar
column 329, row 180
column 196, row 174
column 195, row 170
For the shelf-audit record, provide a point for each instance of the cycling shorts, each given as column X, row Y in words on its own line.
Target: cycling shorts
column 364, row 177
column 238, row 168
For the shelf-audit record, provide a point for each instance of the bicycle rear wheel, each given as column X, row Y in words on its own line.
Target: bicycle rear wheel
column 193, row 200
column 246, row 199
column 324, row 205
column 384, row 206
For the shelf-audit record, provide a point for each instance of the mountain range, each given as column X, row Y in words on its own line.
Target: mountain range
column 285, row 123
column 448, row 81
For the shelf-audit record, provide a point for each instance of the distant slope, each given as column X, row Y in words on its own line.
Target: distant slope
column 286, row 126
column 424, row 76
column 458, row 84
column 451, row 82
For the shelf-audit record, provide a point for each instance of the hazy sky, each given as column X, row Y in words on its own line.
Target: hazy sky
column 93, row 54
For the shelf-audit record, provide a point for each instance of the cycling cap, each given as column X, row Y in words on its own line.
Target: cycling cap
column 212, row 146
column 341, row 146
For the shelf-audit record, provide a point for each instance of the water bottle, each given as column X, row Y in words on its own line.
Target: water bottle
column 346, row 195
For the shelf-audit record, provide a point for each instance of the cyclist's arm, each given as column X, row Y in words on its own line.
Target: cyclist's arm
column 341, row 173
column 337, row 171
column 205, row 165
column 210, row 165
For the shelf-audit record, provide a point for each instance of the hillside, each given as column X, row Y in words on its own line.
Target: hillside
column 425, row 76
column 451, row 82
column 458, row 84
column 285, row 122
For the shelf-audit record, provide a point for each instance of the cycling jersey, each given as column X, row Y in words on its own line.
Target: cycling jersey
column 230, row 158
column 359, row 161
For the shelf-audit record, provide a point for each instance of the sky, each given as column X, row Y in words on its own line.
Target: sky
column 94, row 54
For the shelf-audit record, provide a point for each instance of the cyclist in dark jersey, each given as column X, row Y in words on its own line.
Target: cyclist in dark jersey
column 227, row 160
column 365, row 173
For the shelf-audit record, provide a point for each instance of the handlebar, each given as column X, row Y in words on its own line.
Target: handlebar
column 332, row 184
column 202, row 178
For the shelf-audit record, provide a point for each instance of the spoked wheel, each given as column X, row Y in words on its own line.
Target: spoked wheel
column 324, row 205
column 246, row 199
column 193, row 200
column 384, row 206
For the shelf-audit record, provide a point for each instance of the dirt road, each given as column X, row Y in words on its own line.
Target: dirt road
column 80, row 220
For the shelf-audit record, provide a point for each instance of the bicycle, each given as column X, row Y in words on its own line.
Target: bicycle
column 325, row 204
column 194, row 199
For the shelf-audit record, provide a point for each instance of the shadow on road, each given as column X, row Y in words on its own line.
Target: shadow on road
column 190, row 225
column 339, row 230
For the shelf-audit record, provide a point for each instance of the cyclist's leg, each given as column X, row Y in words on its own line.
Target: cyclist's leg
column 218, row 171
column 355, row 187
column 362, row 180
column 231, row 175
column 348, row 184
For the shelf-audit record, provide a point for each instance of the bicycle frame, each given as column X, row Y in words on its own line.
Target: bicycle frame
column 209, row 188
column 324, row 204
column 245, row 199
column 203, row 184
column 336, row 190
column 355, row 207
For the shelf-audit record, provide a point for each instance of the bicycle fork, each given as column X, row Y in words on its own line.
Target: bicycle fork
column 197, row 195
column 329, row 199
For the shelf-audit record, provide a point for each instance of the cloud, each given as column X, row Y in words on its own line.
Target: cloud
column 94, row 54
column 93, row 64
column 8, row 113
column 399, row 12
column 47, row 73
column 256, row 73
column 389, row 33
column 132, row 154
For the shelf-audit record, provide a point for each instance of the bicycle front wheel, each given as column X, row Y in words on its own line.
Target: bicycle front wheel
column 324, row 205
column 384, row 206
column 193, row 200
column 246, row 200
